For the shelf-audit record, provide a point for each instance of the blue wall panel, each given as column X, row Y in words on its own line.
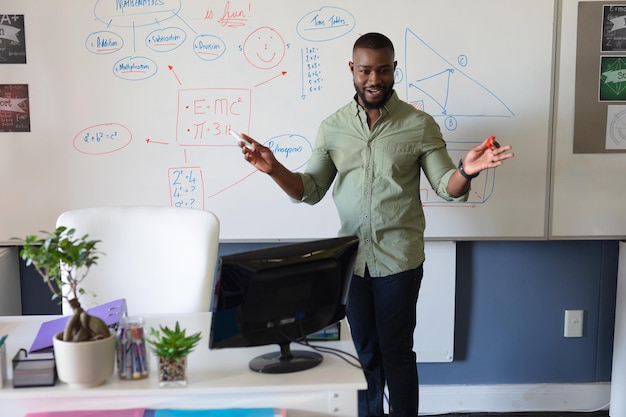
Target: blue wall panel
column 511, row 298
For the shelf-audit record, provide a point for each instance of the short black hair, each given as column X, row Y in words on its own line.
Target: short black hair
column 373, row 40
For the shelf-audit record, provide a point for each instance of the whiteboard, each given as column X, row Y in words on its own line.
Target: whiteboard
column 129, row 103
column 588, row 194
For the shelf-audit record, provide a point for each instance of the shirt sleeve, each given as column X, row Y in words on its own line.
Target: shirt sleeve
column 437, row 164
column 319, row 174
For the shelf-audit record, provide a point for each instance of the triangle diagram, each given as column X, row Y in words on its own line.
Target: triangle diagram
column 441, row 88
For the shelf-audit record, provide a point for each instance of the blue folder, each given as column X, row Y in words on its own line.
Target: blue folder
column 229, row 412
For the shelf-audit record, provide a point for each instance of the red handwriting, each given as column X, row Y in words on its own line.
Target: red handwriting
column 233, row 18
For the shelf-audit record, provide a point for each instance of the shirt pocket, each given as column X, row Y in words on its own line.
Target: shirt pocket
column 399, row 159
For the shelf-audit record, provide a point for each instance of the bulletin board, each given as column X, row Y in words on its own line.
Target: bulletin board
column 600, row 105
column 587, row 196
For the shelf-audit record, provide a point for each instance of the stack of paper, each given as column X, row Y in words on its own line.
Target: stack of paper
column 34, row 370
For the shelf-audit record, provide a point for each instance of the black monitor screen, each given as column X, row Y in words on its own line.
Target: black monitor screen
column 279, row 295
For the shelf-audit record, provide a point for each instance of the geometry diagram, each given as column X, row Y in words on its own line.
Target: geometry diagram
column 482, row 188
column 441, row 89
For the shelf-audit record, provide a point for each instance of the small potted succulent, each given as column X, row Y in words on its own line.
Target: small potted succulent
column 63, row 261
column 172, row 346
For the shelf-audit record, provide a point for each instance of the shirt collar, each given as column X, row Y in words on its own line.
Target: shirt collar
column 388, row 107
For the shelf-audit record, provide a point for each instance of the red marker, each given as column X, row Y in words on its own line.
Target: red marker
column 492, row 142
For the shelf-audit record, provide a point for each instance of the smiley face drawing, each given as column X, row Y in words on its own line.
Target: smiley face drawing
column 264, row 48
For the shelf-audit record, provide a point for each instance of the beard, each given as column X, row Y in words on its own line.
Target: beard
column 374, row 104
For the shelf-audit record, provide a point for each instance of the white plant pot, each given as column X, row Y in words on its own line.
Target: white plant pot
column 84, row 364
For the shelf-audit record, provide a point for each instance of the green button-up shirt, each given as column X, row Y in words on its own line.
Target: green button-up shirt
column 377, row 187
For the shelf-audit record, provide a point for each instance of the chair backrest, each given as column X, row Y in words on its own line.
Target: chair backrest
column 160, row 259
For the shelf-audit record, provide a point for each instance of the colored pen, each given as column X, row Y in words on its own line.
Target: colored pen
column 139, row 352
column 136, row 362
column 241, row 139
column 123, row 355
column 492, row 142
column 2, row 339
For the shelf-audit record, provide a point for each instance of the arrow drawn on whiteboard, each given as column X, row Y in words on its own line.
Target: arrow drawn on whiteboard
column 171, row 68
column 150, row 141
column 273, row 78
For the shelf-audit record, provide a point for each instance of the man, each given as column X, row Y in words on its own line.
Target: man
column 374, row 149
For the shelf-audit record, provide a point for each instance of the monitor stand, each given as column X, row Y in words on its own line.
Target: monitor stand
column 285, row 361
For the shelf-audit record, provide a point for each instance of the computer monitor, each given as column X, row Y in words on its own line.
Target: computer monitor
column 279, row 295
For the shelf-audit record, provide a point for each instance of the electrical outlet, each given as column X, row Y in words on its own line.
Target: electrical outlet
column 573, row 326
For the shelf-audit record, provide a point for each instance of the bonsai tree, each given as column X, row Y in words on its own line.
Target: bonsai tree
column 63, row 261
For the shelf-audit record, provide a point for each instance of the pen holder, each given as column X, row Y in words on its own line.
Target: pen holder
column 132, row 360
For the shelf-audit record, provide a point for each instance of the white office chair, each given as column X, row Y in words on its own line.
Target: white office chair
column 160, row 259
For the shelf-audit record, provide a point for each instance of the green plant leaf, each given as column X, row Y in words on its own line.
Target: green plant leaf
column 61, row 259
column 172, row 343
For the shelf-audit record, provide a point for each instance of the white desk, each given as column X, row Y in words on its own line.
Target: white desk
column 216, row 379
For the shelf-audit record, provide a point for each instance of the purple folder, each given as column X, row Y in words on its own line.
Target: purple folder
column 110, row 313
